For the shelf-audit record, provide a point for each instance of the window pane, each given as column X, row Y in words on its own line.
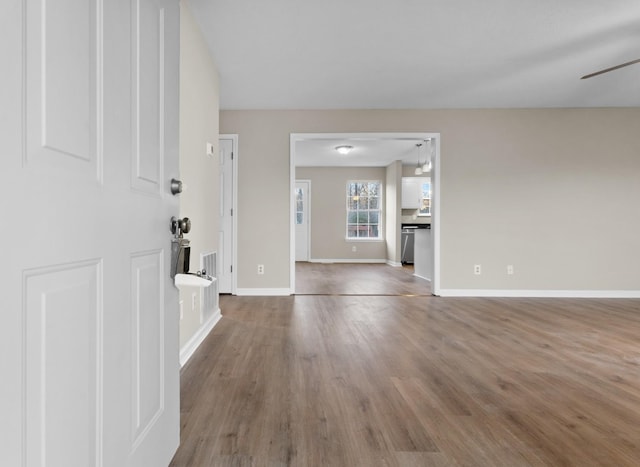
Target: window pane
column 363, row 209
column 299, row 218
column 426, row 207
column 374, row 189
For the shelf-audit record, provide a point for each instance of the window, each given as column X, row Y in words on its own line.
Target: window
column 425, row 205
column 299, row 206
column 364, row 210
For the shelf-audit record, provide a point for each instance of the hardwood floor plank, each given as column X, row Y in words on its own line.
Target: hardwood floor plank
column 412, row 380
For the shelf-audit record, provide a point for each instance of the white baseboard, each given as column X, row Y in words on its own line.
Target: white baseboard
column 190, row 347
column 422, row 277
column 270, row 292
column 393, row 264
column 348, row 260
column 540, row 293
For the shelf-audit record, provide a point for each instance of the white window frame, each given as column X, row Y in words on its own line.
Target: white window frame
column 422, row 198
column 380, row 236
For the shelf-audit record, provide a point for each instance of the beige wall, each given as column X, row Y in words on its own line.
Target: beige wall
column 198, row 125
column 328, row 211
column 394, row 212
column 552, row 191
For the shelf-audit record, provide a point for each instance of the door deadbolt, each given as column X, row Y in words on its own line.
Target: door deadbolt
column 176, row 186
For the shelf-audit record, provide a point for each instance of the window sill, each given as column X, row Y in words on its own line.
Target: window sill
column 370, row 240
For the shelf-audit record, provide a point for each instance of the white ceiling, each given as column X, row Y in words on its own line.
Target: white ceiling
column 319, row 151
column 408, row 54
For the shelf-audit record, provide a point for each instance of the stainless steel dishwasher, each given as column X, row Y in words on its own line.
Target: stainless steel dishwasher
column 407, row 239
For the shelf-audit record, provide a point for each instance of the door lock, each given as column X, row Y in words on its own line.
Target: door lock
column 176, row 186
column 180, row 226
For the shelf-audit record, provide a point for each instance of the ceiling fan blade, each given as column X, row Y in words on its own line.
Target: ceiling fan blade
column 607, row 70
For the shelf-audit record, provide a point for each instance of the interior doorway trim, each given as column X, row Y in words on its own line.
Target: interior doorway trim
column 435, row 195
column 234, row 205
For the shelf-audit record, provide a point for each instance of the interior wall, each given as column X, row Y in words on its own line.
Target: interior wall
column 393, row 206
column 552, row 192
column 199, row 121
column 328, row 211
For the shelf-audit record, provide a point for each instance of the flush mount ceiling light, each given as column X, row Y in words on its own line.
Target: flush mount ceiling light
column 344, row 150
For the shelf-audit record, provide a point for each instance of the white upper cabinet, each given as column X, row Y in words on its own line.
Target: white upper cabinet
column 412, row 192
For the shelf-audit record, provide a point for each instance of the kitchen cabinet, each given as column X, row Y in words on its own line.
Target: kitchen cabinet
column 412, row 192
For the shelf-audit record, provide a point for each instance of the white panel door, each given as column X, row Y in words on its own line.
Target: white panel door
column 302, row 219
column 226, row 238
column 89, row 322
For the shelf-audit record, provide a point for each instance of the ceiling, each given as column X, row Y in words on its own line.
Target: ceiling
column 422, row 54
column 371, row 151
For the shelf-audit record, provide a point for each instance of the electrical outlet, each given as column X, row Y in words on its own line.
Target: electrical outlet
column 181, row 310
column 353, row 248
column 193, row 301
column 477, row 269
column 260, row 269
column 510, row 269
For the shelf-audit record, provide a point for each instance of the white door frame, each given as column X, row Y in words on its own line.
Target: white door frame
column 435, row 200
column 307, row 214
column 234, row 203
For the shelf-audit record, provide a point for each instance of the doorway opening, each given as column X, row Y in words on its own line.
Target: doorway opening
column 382, row 150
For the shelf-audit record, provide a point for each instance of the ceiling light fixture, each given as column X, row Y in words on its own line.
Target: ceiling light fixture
column 344, row 150
column 426, row 168
column 418, row 170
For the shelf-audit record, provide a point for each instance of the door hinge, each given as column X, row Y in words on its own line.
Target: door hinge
column 232, row 211
column 231, row 155
column 231, row 268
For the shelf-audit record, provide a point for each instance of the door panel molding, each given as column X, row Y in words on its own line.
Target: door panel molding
column 60, row 301
column 147, row 342
column 147, row 168
column 63, row 110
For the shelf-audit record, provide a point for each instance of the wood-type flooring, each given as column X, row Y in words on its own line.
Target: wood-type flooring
column 413, row 380
column 358, row 279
